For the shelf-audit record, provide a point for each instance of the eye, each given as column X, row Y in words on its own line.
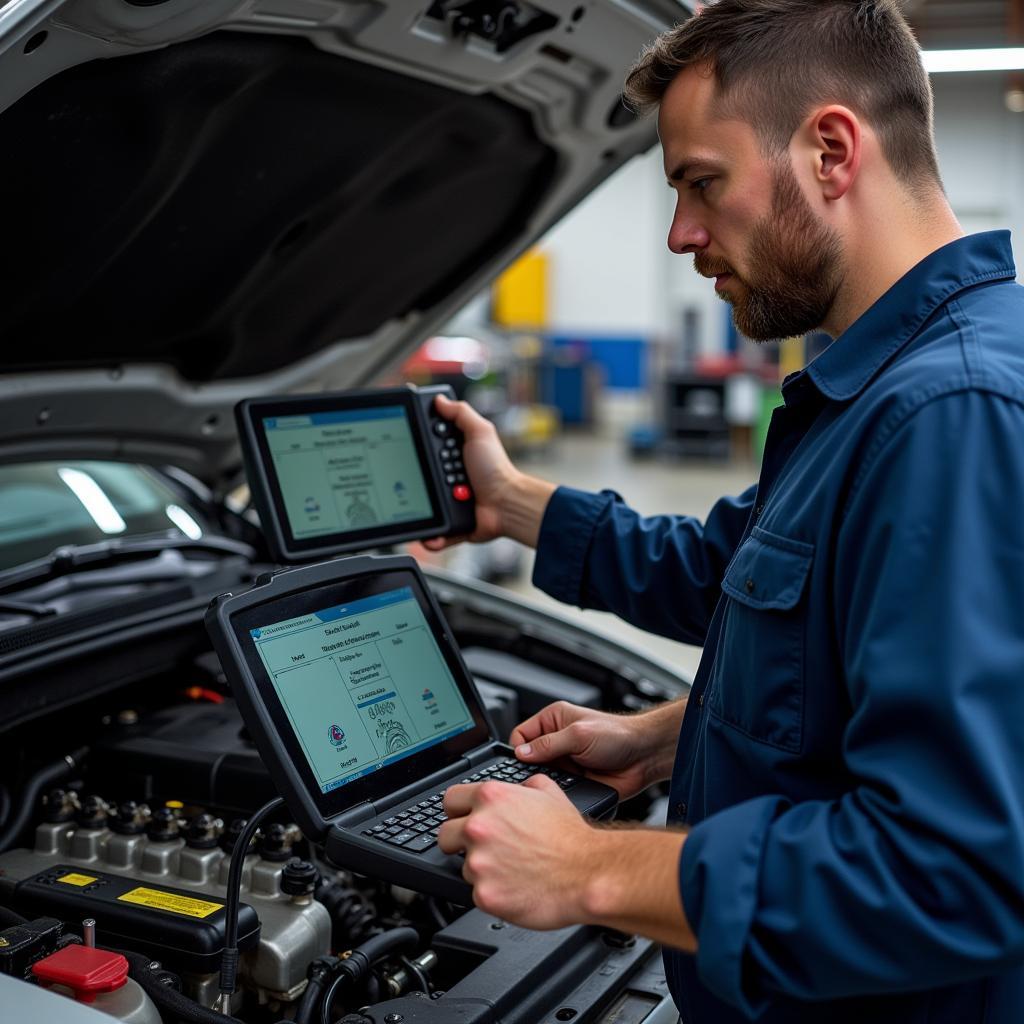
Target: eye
column 700, row 184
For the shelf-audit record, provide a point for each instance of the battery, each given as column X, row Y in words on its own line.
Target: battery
column 183, row 929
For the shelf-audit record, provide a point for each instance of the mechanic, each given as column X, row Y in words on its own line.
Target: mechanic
column 845, row 838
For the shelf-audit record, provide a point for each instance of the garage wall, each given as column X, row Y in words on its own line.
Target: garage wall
column 613, row 276
column 981, row 153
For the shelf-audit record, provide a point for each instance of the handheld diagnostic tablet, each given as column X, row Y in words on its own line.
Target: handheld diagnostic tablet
column 346, row 471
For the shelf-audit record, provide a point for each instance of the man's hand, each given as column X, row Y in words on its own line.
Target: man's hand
column 524, row 847
column 535, row 862
column 626, row 752
column 508, row 503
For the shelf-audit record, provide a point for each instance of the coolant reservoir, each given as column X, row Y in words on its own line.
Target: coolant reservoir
column 98, row 978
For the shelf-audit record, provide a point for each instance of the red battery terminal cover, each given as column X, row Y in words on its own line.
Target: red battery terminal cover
column 85, row 970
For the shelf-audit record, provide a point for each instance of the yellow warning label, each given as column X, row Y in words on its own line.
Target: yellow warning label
column 75, row 879
column 156, row 900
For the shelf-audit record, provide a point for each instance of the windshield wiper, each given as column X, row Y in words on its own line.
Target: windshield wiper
column 77, row 557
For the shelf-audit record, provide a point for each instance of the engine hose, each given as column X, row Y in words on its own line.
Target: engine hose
column 314, row 989
column 359, row 961
column 168, row 1000
column 353, row 916
column 36, row 784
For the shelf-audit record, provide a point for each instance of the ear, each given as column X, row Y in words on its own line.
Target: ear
column 834, row 137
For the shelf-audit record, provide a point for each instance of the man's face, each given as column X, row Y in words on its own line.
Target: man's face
column 744, row 217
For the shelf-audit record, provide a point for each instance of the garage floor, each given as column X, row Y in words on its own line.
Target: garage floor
column 596, row 461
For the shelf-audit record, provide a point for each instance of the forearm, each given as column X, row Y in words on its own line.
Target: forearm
column 523, row 502
column 660, row 732
column 630, row 881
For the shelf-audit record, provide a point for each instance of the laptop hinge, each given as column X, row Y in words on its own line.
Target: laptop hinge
column 353, row 815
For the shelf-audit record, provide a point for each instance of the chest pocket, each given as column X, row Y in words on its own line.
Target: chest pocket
column 758, row 681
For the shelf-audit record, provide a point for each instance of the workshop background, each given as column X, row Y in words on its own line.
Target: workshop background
column 606, row 362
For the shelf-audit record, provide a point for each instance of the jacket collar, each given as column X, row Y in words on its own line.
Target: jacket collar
column 846, row 367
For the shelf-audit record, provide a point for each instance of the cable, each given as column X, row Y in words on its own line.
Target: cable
column 359, row 961
column 170, row 1001
column 320, row 970
column 417, row 972
column 332, row 991
column 229, row 958
column 43, row 778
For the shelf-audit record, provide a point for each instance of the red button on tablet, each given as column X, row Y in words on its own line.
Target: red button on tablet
column 460, row 492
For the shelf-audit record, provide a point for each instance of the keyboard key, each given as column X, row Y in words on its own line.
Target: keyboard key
column 391, row 821
column 401, row 838
column 421, row 827
column 421, row 843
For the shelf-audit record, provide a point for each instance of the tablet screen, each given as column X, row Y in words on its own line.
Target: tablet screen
column 347, row 470
column 362, row 684
column 340, row 472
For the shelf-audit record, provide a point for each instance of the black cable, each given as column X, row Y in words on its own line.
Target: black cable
column 5, row 805
column 41, row 780
column 170, row 1001
column 321, row 969
column 417, row 972
column 229, row 958
column 332, row 991
column 435, row 913
column 359, row 961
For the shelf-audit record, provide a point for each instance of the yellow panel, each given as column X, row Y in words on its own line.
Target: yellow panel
column 76, row 879
column 520, row 295
column 157, row 900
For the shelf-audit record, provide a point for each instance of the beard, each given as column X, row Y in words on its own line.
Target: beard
column 795, row 268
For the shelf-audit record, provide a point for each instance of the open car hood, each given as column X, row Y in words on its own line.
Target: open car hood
column 213, row 199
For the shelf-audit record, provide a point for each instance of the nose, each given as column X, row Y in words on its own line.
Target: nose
column 687, row 234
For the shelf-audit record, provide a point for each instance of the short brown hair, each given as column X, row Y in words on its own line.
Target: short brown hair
column 773, row 60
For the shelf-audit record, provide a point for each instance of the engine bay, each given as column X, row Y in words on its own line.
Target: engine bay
column 117, row 840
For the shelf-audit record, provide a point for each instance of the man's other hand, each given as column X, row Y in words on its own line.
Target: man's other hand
column 619, row 750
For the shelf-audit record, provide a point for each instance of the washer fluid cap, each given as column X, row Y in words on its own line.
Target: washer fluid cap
column 83, row 969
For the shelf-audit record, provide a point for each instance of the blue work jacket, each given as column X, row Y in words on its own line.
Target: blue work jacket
column 851, row 761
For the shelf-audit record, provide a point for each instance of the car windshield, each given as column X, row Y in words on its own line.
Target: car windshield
column 46, row 505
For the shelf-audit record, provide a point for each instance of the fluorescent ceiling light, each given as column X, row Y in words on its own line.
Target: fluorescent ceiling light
column 1001, row 59
column 96, row 503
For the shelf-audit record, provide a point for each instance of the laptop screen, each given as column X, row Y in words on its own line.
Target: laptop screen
column 362, row 684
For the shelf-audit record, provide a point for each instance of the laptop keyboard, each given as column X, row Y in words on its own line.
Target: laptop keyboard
column 415, row 827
